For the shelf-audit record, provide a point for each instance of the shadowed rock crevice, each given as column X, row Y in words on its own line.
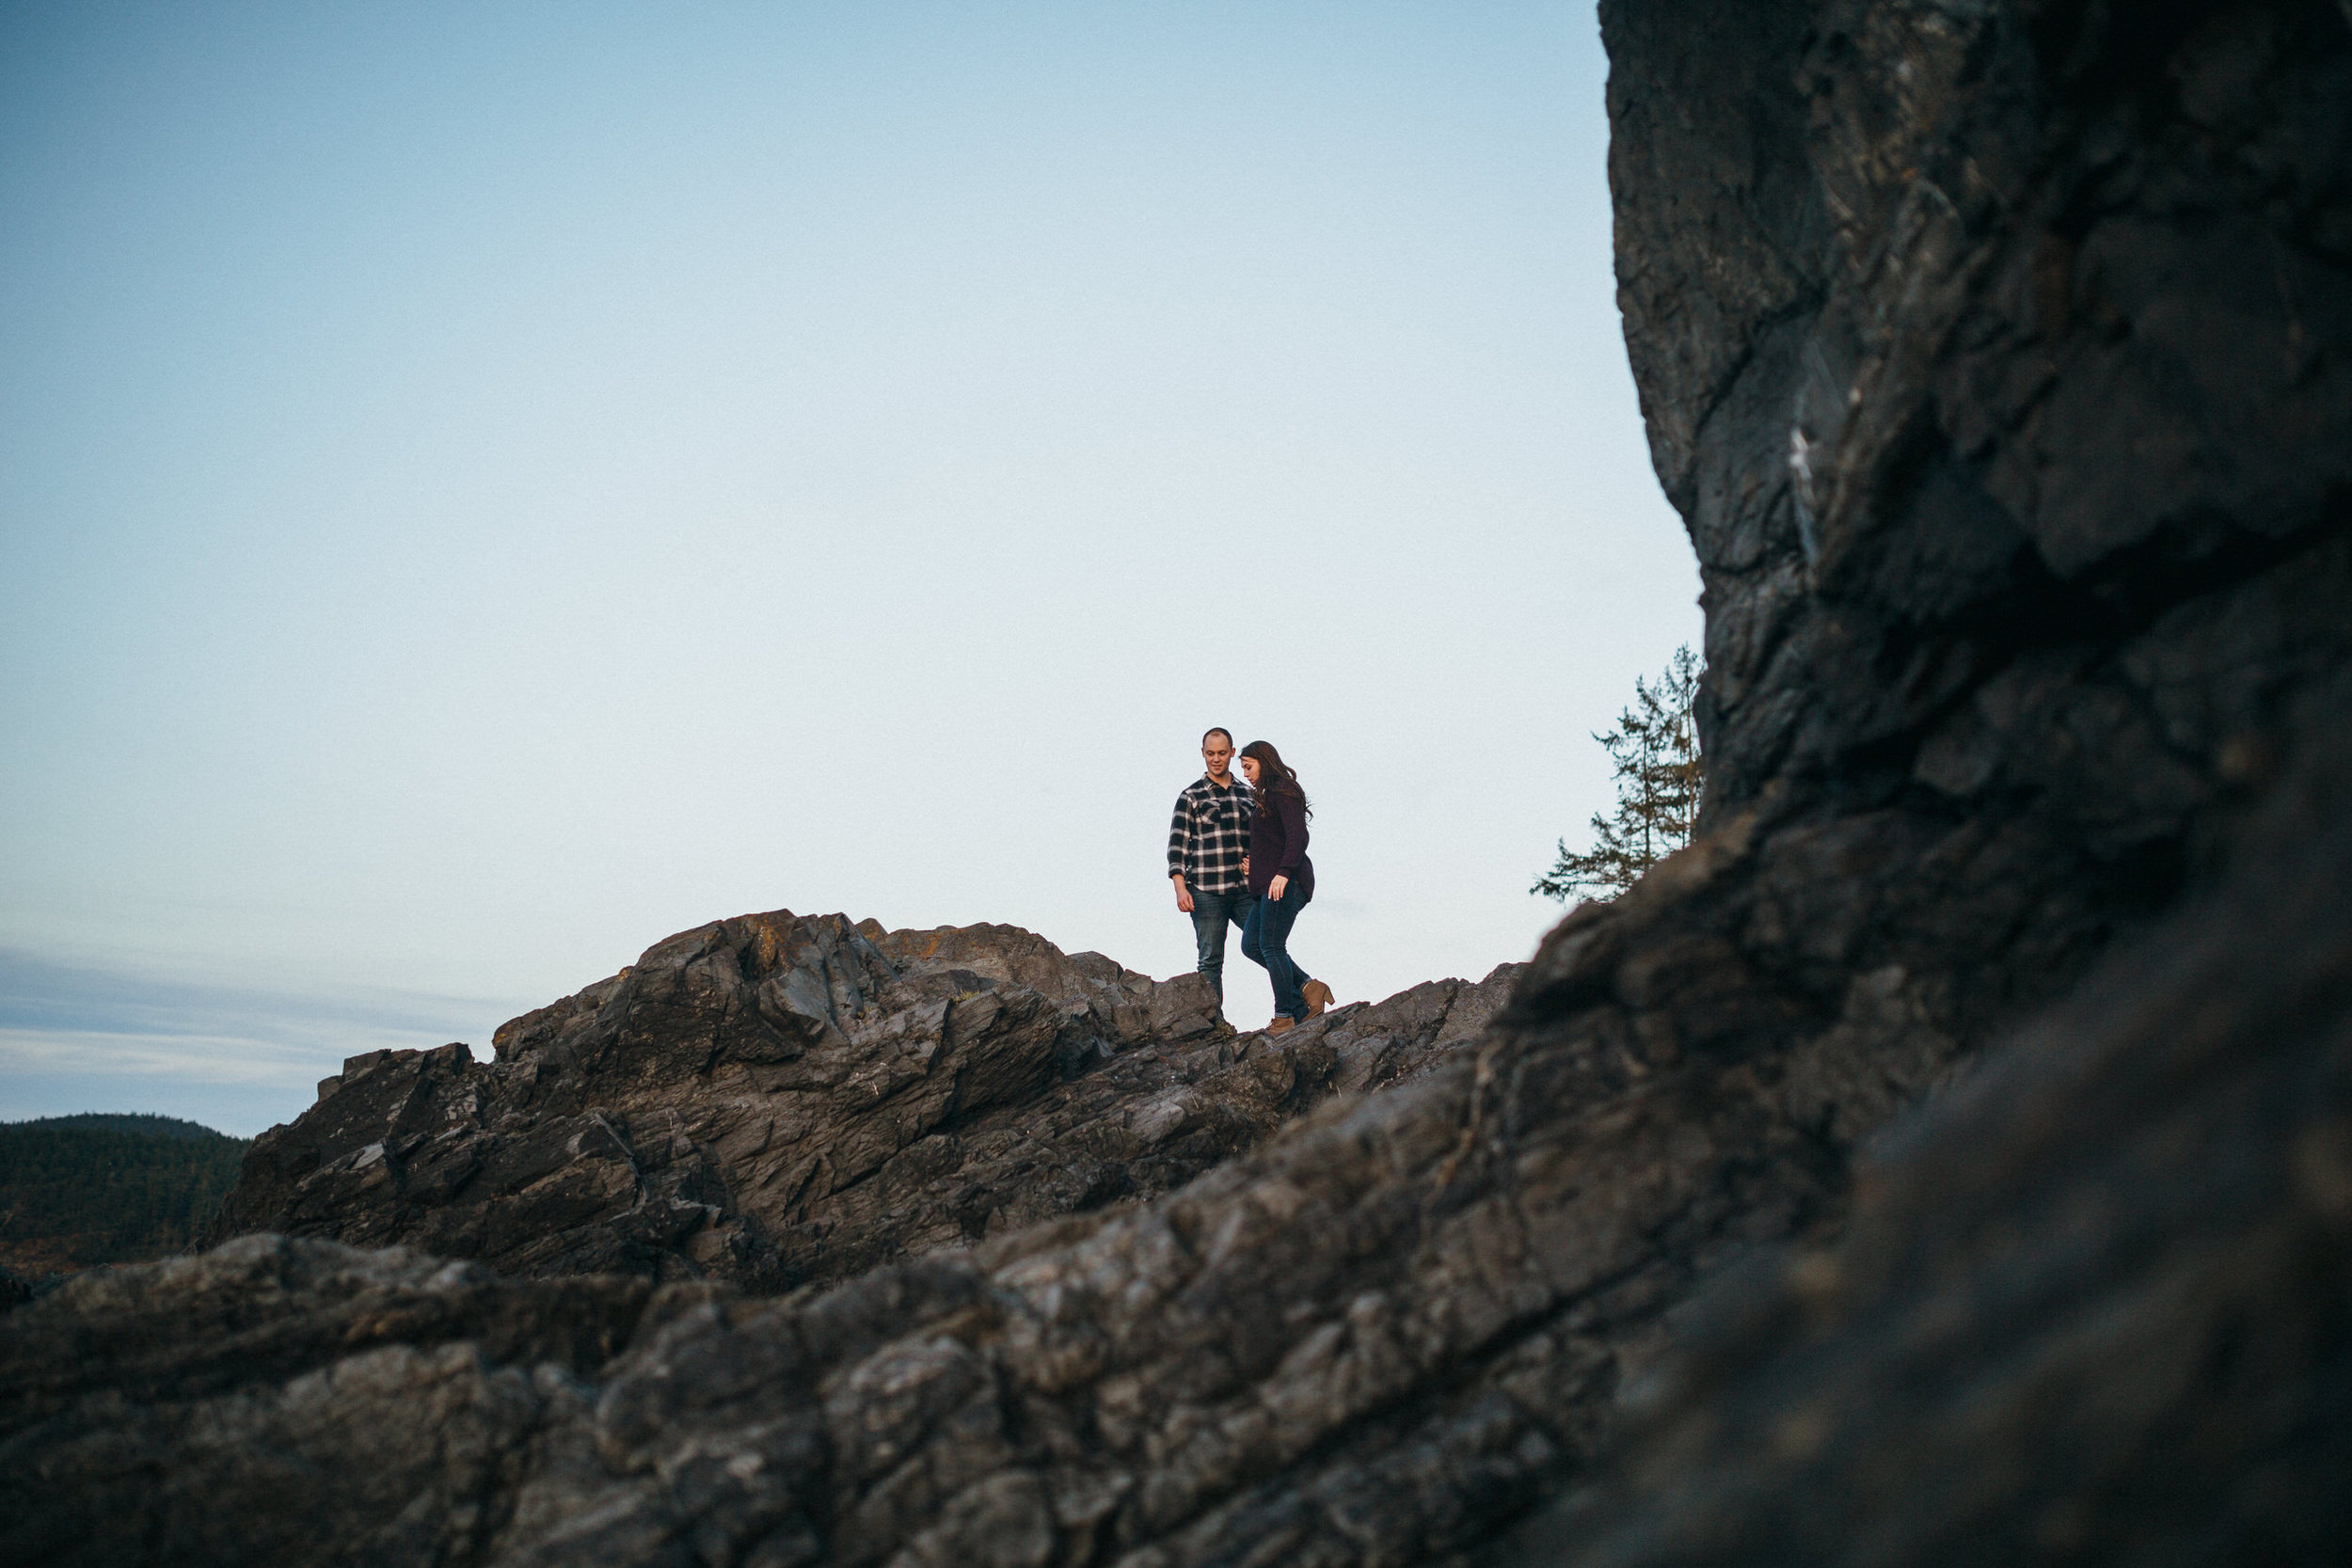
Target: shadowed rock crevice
column 1999, row 359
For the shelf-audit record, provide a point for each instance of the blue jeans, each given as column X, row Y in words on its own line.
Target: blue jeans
column 1265, row 939
column 1210, row 913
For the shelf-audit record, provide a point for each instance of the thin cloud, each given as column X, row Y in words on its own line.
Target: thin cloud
column 75, row 1037
column 210, row 1058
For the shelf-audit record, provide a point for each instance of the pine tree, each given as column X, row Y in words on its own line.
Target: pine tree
column 1656, row 748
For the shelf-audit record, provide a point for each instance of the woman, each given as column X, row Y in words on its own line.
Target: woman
column 1284, row 878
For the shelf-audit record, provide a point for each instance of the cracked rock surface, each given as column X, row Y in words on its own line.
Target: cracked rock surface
column 1940, row 1161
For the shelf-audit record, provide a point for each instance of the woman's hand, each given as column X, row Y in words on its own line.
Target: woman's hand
column 1274, row 889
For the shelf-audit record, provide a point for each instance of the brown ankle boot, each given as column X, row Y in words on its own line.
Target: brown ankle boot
column 1318, row 996
column 1279, row 1025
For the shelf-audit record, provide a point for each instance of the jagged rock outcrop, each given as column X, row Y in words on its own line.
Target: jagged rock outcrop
column 1999, row 358
column 778, row 1099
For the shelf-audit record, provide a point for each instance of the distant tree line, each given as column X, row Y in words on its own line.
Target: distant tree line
column 80, row 1191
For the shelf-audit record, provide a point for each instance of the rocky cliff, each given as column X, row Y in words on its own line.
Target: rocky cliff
column 779, row 1098
column 1942, row 1159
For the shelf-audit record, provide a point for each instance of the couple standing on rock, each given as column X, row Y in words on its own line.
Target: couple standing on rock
column 1238, row 852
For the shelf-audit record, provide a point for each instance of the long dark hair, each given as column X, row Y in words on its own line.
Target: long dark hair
column 1274, row 776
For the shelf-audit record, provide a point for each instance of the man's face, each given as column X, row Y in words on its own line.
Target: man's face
column 1217, row 752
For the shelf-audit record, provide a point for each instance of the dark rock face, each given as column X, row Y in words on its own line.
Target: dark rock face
column 2095, row 1305
column 1999, row 356
column 778, row 1098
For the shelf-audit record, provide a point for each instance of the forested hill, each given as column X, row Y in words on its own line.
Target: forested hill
column 146, row 1123
column 81, row 1190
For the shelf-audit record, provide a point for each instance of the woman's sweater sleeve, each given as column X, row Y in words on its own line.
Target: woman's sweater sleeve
column 1293, row 831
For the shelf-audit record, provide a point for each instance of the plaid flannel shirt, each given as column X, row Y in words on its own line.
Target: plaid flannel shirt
column 1210, row 835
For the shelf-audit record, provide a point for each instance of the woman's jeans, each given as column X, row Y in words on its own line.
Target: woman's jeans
column 1265, row 939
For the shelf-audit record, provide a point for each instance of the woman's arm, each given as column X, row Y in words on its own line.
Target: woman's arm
column 1294, row 812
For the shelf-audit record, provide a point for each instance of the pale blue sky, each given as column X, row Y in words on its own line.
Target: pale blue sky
column 483, row 486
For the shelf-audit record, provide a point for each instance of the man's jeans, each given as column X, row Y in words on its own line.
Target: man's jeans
column 1210, row 912
column 1265, row 939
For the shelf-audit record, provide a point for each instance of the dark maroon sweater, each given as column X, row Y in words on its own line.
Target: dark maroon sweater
column 1277, row 843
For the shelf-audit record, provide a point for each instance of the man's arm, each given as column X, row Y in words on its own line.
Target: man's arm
column 1178, row 843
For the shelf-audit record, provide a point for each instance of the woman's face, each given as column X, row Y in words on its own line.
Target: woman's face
column 1249, row 770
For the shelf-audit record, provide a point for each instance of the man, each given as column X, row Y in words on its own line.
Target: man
column 1206, row 846
column 1208, row 849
